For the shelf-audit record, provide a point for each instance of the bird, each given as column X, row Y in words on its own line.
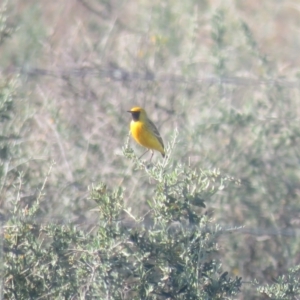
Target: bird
column 145, row 132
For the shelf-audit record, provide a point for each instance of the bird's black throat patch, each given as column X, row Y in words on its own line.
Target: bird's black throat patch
column 135, row 115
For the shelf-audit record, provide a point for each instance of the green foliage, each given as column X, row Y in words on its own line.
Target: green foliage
column 5, row 29
column 27, row 32
column 37, row 258
column 170, row 253
column 8, row 89
column 253, row 47
column 218, row 36
column 285, row 287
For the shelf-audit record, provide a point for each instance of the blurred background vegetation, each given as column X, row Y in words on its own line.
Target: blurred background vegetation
column 225, row 74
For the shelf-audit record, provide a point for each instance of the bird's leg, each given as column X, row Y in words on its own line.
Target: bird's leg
column 144, row 153
column 151, row 155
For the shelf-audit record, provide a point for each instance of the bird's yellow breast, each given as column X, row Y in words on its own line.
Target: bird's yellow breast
column 144, row 137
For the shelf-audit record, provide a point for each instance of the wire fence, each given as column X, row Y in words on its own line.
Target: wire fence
column 117, row 73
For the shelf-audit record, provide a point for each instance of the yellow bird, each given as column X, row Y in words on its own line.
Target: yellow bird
column 145, row 132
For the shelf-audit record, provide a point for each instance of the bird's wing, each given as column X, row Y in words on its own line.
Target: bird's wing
column 155, row 132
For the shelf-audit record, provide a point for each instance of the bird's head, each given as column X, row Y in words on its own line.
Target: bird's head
column 137, row 113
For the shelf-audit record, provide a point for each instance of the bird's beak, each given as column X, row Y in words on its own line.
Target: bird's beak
column 129, row 111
